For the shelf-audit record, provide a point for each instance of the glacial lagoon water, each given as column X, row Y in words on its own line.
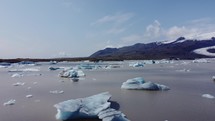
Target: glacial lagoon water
column 188, row 81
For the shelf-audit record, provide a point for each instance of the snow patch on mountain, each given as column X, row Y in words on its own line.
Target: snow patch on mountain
column 204, row 51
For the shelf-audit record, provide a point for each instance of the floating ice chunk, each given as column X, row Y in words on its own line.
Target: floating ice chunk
column 71, row 73
column 140, row 84
column 137, row 64
column 200, row 61
column 10, row 102
column 53, row 68
column 25, row 70
column 112, row 115
column 89, row 107
column 213, row 77
column 208, row 96
column 17, row 75
column 57, row 92
column 35, row 82
column 19, row 84
column 53, row 62
column 29, row 96
column 183, row 70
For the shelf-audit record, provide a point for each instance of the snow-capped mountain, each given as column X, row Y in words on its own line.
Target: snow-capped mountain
column 181, row 48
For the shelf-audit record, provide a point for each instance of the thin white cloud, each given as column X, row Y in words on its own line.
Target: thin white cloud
column 115, row 30
column 196, row 29
column 153, row 29
column 117, row 18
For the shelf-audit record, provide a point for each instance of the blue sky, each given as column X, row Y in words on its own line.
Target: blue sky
column 77, row 28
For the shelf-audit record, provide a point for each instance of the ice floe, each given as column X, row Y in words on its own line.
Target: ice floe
column 25, row 70
column 208, row 96
column 71, row 73
column 53, row 68
column 19, row 84
column 96, row 106
column 57, row 92
column 139, row 83
column 29, row 96
column 17, row 75
column 200, row 61
column 136, row 64
column 10, row 102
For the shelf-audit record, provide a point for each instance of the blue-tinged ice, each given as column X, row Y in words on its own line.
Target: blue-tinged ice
column 10, row 102
column 96, row 106
column 71, row 73
column 136, row 64
column 140, row 84
column 53, row 68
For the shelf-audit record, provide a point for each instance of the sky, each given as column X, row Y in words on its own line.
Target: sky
column 78, row 28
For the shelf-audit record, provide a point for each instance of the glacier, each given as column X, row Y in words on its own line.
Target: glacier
column 96, row 106
column 139, row 83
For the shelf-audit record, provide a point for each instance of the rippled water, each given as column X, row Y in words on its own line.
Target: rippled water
column 184, row 102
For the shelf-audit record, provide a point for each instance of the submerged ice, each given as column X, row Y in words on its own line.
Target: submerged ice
column 139, row 83
column 96, row 106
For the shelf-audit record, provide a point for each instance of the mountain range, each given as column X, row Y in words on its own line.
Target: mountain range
column 180, row 48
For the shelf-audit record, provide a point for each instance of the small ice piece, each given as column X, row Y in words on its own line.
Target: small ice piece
column 53, row 68
column 89, row 107
column 71, row 73
column 137, row 64
column 57, row 92
column 10, row 102
column 25, row 70
column 183, row 70
column 208, row 96
column 29, row 96
column 140, row 84
column 19, row 84
column 200, row 61
column 213, row 77
column 34, row 82
column 17, row 75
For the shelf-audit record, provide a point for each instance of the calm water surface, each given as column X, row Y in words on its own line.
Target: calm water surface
column 184, row 102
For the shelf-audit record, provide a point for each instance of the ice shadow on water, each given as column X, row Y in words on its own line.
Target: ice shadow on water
column 113, row 105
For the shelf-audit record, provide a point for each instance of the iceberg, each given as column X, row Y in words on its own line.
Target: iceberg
column 200, row 61
column 137, row 64
column 19, row 84
column 29, row 96
column 17, row 75
column 71, row 73
column 139, row 83
column 213, row 77
column 208, row 96
column 10, row 102
column 53, row 68
column 96, row 106
column 57, row 92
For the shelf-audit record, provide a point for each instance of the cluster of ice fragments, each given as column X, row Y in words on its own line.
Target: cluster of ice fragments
column 139, row 83
column 96, row 106
column 71, row 73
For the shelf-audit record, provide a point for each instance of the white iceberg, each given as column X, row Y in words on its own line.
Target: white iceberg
column 19, row 84
column 16, row 75
column 136, row 64
column 96, row 106
column 25, row 70
column 57, row 92
column 213, row 77
column 140, row 84
column 29, row 96
column 53, row 68
column 10, row 102
column 200, row 61
column 208, row 96
column 71, row 73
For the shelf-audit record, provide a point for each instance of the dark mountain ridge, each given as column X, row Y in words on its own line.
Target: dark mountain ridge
column 180, row 48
